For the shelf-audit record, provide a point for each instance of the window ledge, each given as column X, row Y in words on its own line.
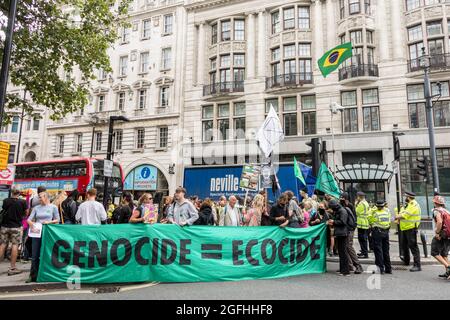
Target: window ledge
column 121, row 77
column 165, row 70
column 57, row 155
column 166, row 34
column 143, row 73
column 76, row 153
column 146, row 38
column 160, row 149
column 124, row 42
column 136, row 150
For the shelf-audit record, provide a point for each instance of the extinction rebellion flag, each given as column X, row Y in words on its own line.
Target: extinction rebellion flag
column 331, row 60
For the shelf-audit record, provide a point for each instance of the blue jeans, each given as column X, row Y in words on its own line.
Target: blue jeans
column 35, row 257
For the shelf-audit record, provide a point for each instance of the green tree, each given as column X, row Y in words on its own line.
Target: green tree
column 55, row 35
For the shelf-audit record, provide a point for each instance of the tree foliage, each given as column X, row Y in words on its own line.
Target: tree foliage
column 55, row 35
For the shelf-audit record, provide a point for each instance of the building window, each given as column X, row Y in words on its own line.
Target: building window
column 239, row 120
column 415, row 33
column 304, row 49
column 415, row 51
column 144, row 62
column 417, row 115
column 273, row 103
column 164, row 97
column 101, row 103
column 276, row 22
column 15, row 124
column 442, row 114
column 142, row 102
column 226, row 30
column 290, row 67
column 12, row 153
column 348, row 98
column 371, row 118
column 98, row 141
column 305, row 69
column 60, row 144
column 125, row 36
column 223, row 121
column 214, row 33
column 354, row 6
column 290, row 116
column 289, row 18
column 140, row 138
column 370, row 56
column 342, row 39
column 434, row 28
column 428, row 2
column 101, row 74
column 36, row 124
column 123, row 66
column 369, row 37
column 28, row 124
column 367, row 6
column 117, row 139
column 239, row 30
column 166, row 58
column 412, row 4
column 289, row 51
column 163, row 137
column 356, row 37
column 207, row 123
column 341, row 9
column 350, row 120
column 146, row 28
column 309, row 117
column 303, row 18
column 121, row 101
column 168, row 24
column 436, row 47
column 78, row 142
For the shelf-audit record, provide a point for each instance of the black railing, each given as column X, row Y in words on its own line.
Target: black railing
column 223, row 87
column 437, row 61
column 289, row 79
column 359, row 70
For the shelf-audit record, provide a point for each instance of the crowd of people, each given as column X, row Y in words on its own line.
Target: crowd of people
column 342, row 218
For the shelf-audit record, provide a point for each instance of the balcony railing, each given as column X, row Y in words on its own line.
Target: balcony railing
column 359, row 70
column 289, row 80
column 437, row 61
column 223, row 87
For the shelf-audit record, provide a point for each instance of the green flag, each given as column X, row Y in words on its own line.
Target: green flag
column 331, row 60
column 298, row 172
column 326, row 183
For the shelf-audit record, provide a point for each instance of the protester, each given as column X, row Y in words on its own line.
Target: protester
column 341, row 233
column 220, row 211
column 315, row 202
column 70, row 207
column 380, row 221
column 168, row 201
column 295, row 214
column 122, row 213
column 11, row 228
column 205, row 214
column 91, row 212
column 146, row 211
column 57, row 201
column 44, row 213
column 232, row 213
column 307, row 213
column 279, row 213
column 35, row 199
column 252, row 217
column 440, row 244
column 321, row 216
column 183, row 212
column 304, row 195
column 352, row 257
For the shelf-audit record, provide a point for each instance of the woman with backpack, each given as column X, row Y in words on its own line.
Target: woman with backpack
column 69, row 208
column 146, row 211
column 122, row 213
column 205, row 214
column 440, row 245
column 252, row 217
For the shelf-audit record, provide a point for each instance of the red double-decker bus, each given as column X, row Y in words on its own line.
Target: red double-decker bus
column 68, row 174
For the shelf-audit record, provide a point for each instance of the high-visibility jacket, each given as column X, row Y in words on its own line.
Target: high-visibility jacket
column 362, row 212
column 411, row 215
column 380, row 218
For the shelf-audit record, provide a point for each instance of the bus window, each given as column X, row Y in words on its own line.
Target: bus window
column 20, row 172
column 62, row 170
column 32, row 172
column 79, row 169
column 47, row 171
column 116, row 172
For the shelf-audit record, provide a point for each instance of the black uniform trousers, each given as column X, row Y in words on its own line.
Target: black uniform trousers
column 409, row 242
column 342, row 244
column 381, row 249
column 363, row 240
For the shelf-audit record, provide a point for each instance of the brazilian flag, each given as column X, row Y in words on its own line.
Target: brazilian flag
column 333, row 58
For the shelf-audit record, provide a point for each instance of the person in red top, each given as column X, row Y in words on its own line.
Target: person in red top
column 440, row 244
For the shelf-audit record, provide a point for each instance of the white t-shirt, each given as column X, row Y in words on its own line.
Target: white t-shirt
column 90, row 213
column 234, row 213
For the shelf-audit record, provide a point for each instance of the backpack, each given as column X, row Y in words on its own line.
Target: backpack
column 116, row 214
column 299, row 213
column 445, row 231
column 351, row 219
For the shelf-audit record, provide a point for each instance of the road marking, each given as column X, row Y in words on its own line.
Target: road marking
column 63, row 292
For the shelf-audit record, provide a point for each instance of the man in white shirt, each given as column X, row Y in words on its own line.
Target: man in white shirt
column 91, row 212
column 232, row 213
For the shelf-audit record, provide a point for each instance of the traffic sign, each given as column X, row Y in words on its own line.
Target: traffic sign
column 7, row 175
column 108, row 168
column 4, row 154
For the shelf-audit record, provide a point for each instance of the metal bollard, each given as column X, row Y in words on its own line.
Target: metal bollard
column 423, row 237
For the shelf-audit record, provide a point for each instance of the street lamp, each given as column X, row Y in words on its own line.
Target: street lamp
column 424, row 62
column 112, row 119
column 396, row 144
column 334, row 109
column 94, row 121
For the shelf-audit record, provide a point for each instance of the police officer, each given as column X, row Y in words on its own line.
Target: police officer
column 362, row 213
column 380, row 221
column 409, row 219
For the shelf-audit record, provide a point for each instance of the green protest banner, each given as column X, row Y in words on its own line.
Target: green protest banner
column 170, row 253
